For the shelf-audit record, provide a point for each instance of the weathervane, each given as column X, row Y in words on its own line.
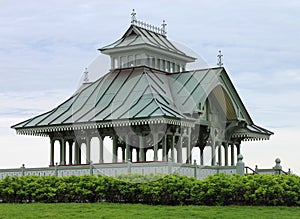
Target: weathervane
column 220, row 64
column 86, row 76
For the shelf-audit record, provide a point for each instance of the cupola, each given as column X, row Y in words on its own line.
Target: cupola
column 145, row 44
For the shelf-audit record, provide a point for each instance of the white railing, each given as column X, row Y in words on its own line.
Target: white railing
column 191, row 170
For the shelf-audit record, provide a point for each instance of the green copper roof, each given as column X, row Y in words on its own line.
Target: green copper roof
column 142, row 94
column 136, row 36
column 119, row 95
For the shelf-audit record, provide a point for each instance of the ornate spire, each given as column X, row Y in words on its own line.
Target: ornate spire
column 163, row 29
column 133, row 18
column 220, row 64
column 86, row 76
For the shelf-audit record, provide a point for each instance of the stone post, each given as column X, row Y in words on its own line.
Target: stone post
column 240, row 166
column 170, row 167
column 56, row 170
column 23, row 170
column 277, row 167
column 128, row 166
column 195, row 169
column 91, row 167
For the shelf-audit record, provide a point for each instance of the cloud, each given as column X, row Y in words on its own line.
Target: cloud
column 282, row 145
column 46, row 46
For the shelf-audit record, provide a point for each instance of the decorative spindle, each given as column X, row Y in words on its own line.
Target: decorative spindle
column 86, row 76
column 220, row 64
column 133, row 18
column 152, row 28
column 164, row 32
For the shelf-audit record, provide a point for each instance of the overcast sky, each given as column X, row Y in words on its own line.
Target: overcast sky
column 46, row 45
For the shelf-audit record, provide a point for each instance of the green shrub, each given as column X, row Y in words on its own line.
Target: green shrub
column 220, row 189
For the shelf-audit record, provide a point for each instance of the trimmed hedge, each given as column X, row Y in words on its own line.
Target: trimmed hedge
column 220, row 189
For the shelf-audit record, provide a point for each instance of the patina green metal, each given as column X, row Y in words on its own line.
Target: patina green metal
column 149, row 86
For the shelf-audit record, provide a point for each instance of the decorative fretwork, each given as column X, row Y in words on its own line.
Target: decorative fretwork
column 155, row 29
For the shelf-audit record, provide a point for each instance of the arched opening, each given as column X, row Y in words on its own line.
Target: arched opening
column 221, row 104
column 107, row 149
column 134, row 154
column 95, row 150
column 56, row 152
column 196, row 155
column 68, row 157
column 207, row 156
column 83, row 153
column 159, row 154
column 219, row 157
column 120, row 154
column 150, row 155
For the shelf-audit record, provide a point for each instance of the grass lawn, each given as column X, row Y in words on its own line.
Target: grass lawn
column 108, row 210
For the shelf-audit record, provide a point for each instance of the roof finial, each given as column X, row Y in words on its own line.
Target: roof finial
column 86, row 76
column 163, row 29
column 133, row 18
column 220, row 64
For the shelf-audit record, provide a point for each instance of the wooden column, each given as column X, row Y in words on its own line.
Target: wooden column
column 62, row 152
column 220, row 154
column 188, row 147
column 137, row 154
column 202, row 155
column 70, row 150
column 172, row 148
column 232, row 154
column 115, row 149
column 128, row 150
column 226, row 153
column 164, row 148
column 79, row 153
column 213, row 153
column 238, row 148
column 155, row 149
column 101, row 158
column 52, row 142
column 76, row 155
column 88, row 150
column 142, row 149
column 123, row 154
column 179, row 150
